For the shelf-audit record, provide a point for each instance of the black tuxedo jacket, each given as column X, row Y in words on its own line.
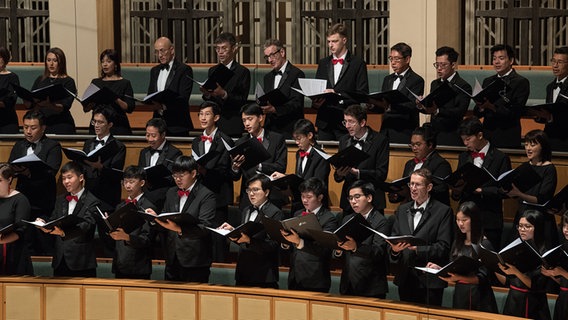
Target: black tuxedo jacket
column 436, row 227
column 258, row 261
column 40, row 188
column 399, row 123
column 193, row 248
column 450, row 115
column 217, row 177
column 316, row 167
column 310, row 266
column 364, row 271
column 287, row 114
column 78, row 246
column 237, row 94
column 439, row 167
column 177, row 113
column 489, row 201
column 373, row 170
column 353, row 78
column 135, row 256
column 557, row 133
column 105, row 185
column 503, row 126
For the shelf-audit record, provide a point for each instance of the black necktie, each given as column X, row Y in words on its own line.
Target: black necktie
column 165, row 66
column 557, row 85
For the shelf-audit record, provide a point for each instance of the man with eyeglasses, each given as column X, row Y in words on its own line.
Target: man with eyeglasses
column 283, row 76
column 399, row 121
column 427, row 219
column 175, row 76
column 445, row 119
column 234, row 94
column 502, row 117
column 344, row 73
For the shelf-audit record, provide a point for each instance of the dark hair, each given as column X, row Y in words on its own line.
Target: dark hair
column 5, row 55
column 503, row 47
column 561, row 50
column 134, row 172
column 157, row 123
column 540, row 137
column 183, row 164
column 106, row 111
column 449, row 51
column 469, row 209
column 114, row 56
column 251, row 109
column 211, row 104
column 367, row 188
column 61, row 62
column 536, row 218
column 72, row 166
column 402, row 48
column 274, row 42
column 565, row 218
column 226, row 37
column 317, row 187
column 264, row 181
column 356, row 111
column 338, row 28
column 35, row 114
column 427, row 133
column 424, row 173
column 6, row 171
column 305, row 126
column 470, row 126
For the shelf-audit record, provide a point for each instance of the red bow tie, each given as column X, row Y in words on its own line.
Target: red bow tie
column 478, row 155
column 304, row 154
column 70, row 197
column 305, row 213
column 182, row 193
column 336, row 61
column 417, row 161
column 206, row 138
column 131, row 201
column 259, row 139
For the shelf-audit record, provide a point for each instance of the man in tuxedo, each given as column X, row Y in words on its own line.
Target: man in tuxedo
column 215, row 173
column 274, row 143
column 375, row 168
column 174, row 76
column 399, row 120
column 431, row 221
column 187, row 245
column 233, row 95
column 488, row 199
column 284, row 75
column 344, row 73
column 445, row 119
column 158, row 152
column 39, row 186
column 502, row 117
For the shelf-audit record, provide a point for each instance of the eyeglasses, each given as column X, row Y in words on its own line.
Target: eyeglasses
column 525, row 226
column 178, row 176
column 395, row 59
column 348, row 122
column 161, row 52
column 98, row 122
column 416, row 144
column 356, row 196
column 559, row 62
column 441, row 65
column 253, row 190
column 222, row 48
column 415, row 185
column 272, row 55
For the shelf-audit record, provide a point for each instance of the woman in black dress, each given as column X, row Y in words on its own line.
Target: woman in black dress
column 560, row 275
column 112, row 79
column 8, row 117
column 472, row 291
column 57, row 113
column 14, row 207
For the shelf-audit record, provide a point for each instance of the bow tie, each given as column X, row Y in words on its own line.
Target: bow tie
column 259, row 139
column 31, row 145
column 305, row 213
column 131, row 201
column 102, row 142
column 71, row 197
column 417, row 161
column 154, row 151
column 336, row 61
column 253, row 209
column 557, row 85
column 277, row 73
column 304, row 154
column 413, row 211
column 206, row 138
column 478, row 155
column 182, row 193
column 355, row 141
column 399, row 76
column 165, row 66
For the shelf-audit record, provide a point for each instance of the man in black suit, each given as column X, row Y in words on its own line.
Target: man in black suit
column 215, row 174
column 188, row 246
column 284, row 76
column 431, row 221
column 344, row 73
column 158, row 152
column 375, row 168
column 175, row 76
column 399, row 120
column 445, row 119
column 233, row 95
column 257, row 264
column 364, row 270
column 274, row 143
column 502, row 117
column 39, row 186
column 488, row 199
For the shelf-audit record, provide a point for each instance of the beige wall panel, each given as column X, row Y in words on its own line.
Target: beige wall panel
column 400, row 315
column 177, row 305
column 62, row 302
column 140, row 304
column 320, row 311
column 364, row 313
column 253, row 308
column 22, row 301
column 102, row 303
column 216, row 306
column 434, row 317
column 287, row 309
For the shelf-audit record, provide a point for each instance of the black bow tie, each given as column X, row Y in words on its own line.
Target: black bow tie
column 276, row 73
column 165, row 66
column 414, row 210
column 102, row 142
column 154, row 151
column 399, row 76
column 253, row 209
column 357, row 142
column 31, row 144
column 557, row 85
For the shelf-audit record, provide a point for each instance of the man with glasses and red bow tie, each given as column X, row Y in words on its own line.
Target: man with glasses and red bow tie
column 483, row 153
column 344, row 73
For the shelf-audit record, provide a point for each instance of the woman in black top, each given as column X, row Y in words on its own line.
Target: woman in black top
column 8, row 117
column 560, row 276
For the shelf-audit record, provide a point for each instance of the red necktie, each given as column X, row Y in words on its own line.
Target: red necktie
column 206, row 138
column 131, row 201
column 71, row 197
column 336, row 61
column 304, row 154
column 417, row 161
column 259, row 139
column 305, row 213
column 182, row 193
column 478, row 155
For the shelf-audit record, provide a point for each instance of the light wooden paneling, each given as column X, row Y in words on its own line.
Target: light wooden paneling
column 360, row 313
column 102, row 303
column 216, row 306
column 288, row 309
column 140, row 304
column 22, row 301
column 327, row 311
column 63, row 302
column 178, row 305
column 253, row 308
column 400, row 315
